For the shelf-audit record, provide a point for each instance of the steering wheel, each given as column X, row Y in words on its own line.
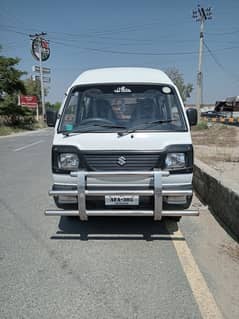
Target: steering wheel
column 96, row 120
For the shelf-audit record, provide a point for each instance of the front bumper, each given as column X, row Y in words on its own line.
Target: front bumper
column 84, row 190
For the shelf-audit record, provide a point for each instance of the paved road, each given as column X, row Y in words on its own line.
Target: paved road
column 54, row 267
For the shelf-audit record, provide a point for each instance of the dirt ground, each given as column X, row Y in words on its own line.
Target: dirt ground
column 218, row 146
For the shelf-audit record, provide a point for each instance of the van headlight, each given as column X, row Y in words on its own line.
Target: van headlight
column 68, row 161
column 175, row 160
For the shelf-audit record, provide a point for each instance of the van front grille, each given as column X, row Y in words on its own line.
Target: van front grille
column 122, row 161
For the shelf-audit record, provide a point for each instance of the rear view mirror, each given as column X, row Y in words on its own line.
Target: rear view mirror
column 51, row 117
column 192, row 115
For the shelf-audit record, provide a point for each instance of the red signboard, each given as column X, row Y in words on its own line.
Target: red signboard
column 28, row 101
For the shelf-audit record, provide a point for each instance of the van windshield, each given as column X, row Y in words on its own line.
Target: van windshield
column 122, row 107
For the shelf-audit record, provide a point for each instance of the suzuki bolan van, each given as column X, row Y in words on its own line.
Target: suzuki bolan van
column 122, row 147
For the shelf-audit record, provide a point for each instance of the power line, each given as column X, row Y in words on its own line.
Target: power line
column 218, row 63
column 97, row 32
column 66, row 43
column 213, row 56
column 18, row 32
column 223, row 33
column 126, row 52
column 126, row 41
column 99, row 41
column 75, row 36
column 112, row 51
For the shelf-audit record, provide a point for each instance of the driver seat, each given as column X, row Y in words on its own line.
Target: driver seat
column 104, row 110
column 145, row 111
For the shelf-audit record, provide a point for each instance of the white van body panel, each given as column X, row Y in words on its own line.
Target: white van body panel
column 134, row 141
column 122, row 75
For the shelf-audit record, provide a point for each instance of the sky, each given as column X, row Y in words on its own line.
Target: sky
column 149, row 33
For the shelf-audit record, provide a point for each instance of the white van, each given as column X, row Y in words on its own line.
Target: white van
column 122, row 147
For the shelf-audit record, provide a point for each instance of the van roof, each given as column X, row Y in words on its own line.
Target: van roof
column 122, row 75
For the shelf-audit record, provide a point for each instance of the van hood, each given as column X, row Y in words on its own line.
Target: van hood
column 148, row 141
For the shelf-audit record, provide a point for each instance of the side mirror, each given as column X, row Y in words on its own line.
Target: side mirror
column 192, row 115
column 51, row 117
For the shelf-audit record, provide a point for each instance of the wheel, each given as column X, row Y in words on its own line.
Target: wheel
column 175, row 218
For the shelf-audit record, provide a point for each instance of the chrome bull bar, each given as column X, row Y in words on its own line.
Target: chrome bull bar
column 158, row 192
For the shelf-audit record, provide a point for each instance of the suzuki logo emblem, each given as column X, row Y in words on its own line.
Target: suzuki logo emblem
column 121, row 161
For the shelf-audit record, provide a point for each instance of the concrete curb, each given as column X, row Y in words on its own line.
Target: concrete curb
column 222, row 198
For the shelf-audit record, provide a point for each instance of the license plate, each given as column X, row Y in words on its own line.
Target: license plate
column 119, row 200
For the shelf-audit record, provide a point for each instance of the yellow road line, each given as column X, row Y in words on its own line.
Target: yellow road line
column 204, row 298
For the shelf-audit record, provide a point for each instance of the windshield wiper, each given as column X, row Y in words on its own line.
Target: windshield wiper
column 90, row 128
column 109, row 125
column 142, row 125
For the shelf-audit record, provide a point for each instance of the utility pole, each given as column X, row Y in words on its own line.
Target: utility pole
column 38, row 38
column 201, row 14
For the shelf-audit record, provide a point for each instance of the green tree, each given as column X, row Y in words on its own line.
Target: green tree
column 10, row 81
column 10, row 86
column 185, row 90
column 33, row 88
column 12, row 112
column 55, row 106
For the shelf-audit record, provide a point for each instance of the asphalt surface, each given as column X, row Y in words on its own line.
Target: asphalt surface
column 52, row 267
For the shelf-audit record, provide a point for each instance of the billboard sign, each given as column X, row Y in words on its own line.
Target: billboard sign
column 38, row 78
column 28, row 101
column 36, row 69
column 40, row 45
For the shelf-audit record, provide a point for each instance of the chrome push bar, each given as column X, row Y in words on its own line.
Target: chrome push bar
column 158, row 192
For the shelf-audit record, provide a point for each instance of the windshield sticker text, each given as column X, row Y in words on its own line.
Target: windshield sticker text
column 122, row 89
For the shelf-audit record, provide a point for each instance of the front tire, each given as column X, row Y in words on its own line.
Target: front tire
column 175, row 218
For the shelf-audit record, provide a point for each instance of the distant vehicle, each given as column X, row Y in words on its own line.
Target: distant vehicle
column 224, row 108
column 212, row 114
column 229, row 105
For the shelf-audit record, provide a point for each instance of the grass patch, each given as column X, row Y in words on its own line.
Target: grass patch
column 8, row 130
column 202, row 125
column 217, row 135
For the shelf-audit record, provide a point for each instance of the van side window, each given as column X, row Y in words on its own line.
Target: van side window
column 69, row 117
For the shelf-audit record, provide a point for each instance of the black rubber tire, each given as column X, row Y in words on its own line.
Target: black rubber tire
column 175, row 218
